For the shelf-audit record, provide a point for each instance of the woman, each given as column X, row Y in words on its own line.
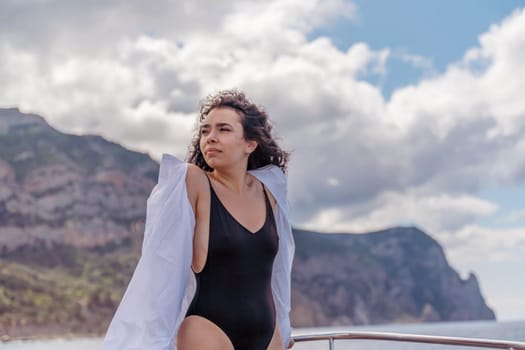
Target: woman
column 217, row 252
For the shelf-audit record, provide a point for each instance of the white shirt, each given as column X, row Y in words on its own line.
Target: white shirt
column 163, row 284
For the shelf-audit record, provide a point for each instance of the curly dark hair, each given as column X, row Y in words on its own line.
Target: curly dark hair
column 256, row 127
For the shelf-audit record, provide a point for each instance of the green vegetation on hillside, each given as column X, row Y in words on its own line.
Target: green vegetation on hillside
column 75, row 291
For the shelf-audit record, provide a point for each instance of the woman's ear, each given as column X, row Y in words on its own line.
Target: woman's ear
column 252, row 145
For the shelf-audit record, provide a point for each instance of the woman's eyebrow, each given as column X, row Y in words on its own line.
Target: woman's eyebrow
column 223, row 124
column 219, row 124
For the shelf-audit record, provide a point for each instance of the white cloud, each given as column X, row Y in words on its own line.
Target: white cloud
column 473, row 244
column 57, row 29
column 291, row 19
column 143, row 88
column 417, row 61
column 434, row 212
column 514, row 216
column 467, row 92
column 143, row 62
column 446, row 136
column 496, row 256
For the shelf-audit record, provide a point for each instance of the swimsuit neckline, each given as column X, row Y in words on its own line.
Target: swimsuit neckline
column 237, row 221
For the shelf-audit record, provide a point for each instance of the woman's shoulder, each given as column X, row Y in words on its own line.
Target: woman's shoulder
column 196, row 183
column 195, row 176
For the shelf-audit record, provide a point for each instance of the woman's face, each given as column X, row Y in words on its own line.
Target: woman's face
column 222, row 140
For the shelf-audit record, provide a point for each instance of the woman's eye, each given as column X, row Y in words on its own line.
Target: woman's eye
column 204, row 132
column 224, row 129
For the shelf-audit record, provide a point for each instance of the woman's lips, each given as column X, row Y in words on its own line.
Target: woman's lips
column 212, row 151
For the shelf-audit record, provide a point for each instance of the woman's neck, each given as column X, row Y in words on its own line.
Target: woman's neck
column 236, row 180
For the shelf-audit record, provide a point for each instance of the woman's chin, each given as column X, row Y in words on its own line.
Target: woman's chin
column 213, row 163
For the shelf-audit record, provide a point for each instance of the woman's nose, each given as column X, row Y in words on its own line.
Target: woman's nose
column 210, row 138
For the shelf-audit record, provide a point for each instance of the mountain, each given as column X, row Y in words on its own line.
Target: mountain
column 72, row 212
column 395, row 275
column 82, row 191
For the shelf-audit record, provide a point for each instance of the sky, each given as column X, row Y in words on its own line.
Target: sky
column 396, row 113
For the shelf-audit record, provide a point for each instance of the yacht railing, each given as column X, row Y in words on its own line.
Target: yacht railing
column 413, row 338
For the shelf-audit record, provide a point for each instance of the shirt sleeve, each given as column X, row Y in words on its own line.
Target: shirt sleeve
column 150, row 310
column 275, row 180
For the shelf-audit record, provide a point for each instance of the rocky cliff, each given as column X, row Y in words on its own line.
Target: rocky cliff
column 55, row 187
column 71, row 218
column 396, row 275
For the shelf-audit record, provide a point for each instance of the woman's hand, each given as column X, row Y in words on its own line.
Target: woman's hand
column 291, row 343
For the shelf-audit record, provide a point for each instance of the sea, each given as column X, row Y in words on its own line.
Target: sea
column 506, row 330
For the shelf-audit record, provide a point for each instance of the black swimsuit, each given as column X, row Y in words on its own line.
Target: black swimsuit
column 234, row 288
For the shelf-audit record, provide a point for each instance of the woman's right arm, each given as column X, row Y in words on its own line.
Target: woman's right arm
column 199, row 197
